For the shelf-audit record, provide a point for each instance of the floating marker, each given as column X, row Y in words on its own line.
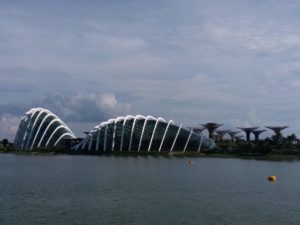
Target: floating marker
column 272, row 178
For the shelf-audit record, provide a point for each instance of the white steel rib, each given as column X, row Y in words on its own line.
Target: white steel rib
column 93, row 132
column 157, row 121
column 187, row 142
column 174, row 142
column 63, row 135
column 33, row 112
column 42, row 111
column 200, row 143
column 124, row 124
column 91, row 140
column 98, row 135
column 26, row 131
column 142, row 135
column 58, row 128
column 166, row 130
column 37, row 133
column 34, row 128
column 41, row 128
column 105, row 138
column 120, row 118
column 45, row 132
column 132, row 130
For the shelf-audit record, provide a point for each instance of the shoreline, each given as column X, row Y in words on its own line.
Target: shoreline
column 267, row 157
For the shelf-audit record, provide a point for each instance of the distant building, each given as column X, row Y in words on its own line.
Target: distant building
column 248, row 131
column 221, row 134
column 233, row 135
column 68, row 143
column 277, row 130
column 40, row 128
column 211, row 127
column 257, row 133
column 140, row 133
column 198, row 130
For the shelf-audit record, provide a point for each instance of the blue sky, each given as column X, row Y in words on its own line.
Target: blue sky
column 235, row 62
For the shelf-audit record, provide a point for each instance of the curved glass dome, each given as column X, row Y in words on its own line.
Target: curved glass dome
column 140, row 133
column 40, row 128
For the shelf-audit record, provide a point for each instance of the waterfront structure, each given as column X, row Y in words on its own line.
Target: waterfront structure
column 142, row 133
column 198, row 130
column 40, row 128
column 277, row 130
column 233, row 134
column 211, row 127
column 257, row 133
column 248, row 131
column 221, row 134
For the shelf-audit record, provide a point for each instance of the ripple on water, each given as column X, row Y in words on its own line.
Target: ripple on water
column 146, row 190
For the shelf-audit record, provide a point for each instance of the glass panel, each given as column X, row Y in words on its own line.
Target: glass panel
column 109, row 137
column 169, row 138
column 193, row 143
column 118, row 135
column 158, row 135
column 28, row 129
column 181, row 140
column 94, row 140
column 57, row 135
column 101, row 134
column 137, row 134
column 36, row 127
column 42, row 129
column 126, row 135
column 50, row 130
column 147, row 135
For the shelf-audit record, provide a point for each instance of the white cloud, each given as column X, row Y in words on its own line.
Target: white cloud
column 92, row 107
column 189, row 60
column 8, row 126
column 80, row 111
column 250, row 120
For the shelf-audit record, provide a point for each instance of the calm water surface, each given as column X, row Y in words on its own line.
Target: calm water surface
column 146, row 190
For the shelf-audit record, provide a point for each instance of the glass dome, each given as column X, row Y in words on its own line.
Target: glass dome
column 40, row 128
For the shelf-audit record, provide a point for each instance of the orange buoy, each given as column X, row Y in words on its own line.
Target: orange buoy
column 272, row 178
column 191, row 162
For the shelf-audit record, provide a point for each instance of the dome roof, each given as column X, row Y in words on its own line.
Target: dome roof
column 142, row 133
column 40, row 128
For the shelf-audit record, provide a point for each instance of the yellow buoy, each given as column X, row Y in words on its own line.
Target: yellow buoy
column 272, row 178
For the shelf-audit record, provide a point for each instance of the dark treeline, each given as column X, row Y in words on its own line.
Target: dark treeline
column 275, row 144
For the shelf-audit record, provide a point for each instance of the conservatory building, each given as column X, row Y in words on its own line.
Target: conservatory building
column 140, row 133
column 40, row 128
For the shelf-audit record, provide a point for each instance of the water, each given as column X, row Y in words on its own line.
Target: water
column 146, row 190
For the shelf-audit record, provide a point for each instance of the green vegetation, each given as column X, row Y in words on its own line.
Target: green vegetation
column 5, row 146
column 274, row 148
column 277, row 145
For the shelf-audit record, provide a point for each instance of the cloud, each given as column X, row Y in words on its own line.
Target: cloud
column 93, row 107
column 250, row 120
column 80, row 111
column 8, row 126
column 186, row 60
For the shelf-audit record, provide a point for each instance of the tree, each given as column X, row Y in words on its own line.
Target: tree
column 292, row 139
column 5, row 142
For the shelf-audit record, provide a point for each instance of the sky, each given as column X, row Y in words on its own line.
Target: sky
column 234, row 62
